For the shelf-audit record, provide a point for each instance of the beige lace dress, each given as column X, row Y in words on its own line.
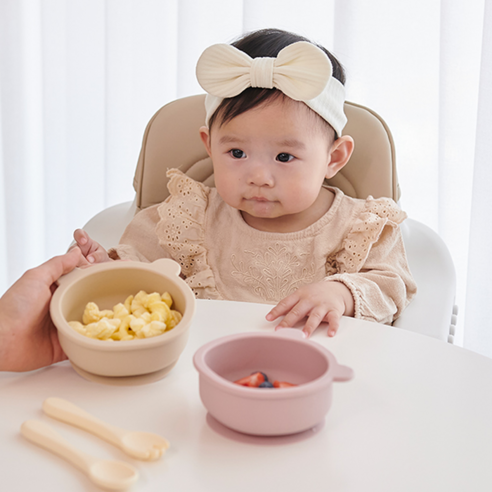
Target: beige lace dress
column 357, row 242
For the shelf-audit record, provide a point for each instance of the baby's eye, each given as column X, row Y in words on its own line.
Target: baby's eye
column 237, row 154
column 284, row 157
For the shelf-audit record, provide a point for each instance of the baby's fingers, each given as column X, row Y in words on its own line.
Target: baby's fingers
column 298, row 312
column 333, row 319
column 314, row 319
column 98, row 256
column 81, row 236
column 93, row 252
column 283, row 307
column 82, row 239
column 82, row 262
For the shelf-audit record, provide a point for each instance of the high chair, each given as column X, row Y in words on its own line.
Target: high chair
column 171, row 140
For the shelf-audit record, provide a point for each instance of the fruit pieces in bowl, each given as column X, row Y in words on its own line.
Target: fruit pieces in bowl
column 259, row 379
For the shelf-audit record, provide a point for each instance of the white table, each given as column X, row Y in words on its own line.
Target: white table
column 417, row 417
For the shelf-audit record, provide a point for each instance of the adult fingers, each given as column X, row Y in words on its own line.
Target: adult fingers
column 50, row 271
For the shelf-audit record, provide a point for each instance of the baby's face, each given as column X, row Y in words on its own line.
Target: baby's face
column 270, row 163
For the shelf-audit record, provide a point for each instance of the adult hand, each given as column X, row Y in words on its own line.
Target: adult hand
column 325, row 301
column 28, row 338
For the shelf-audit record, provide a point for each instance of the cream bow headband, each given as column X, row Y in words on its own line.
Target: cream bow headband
column 302, row 71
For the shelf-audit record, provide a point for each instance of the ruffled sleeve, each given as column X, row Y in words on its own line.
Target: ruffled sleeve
column 372, row 262
column 181, row 231
column 366, row 231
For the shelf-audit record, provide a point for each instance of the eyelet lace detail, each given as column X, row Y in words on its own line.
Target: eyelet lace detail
column 367, row 228
column 181, row 231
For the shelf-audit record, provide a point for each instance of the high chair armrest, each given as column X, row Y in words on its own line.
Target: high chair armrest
column 108, row 225
column 432, row 311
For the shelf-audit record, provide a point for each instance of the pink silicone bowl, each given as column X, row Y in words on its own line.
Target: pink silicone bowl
column 283, row 355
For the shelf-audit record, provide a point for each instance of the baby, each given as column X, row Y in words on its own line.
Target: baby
column 271, row 231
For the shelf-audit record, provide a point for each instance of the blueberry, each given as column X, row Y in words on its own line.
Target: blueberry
column 266, row 384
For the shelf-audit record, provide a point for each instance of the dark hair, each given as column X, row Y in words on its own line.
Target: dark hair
column 264, row 43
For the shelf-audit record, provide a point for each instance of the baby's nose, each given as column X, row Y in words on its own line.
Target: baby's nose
column 260, row 175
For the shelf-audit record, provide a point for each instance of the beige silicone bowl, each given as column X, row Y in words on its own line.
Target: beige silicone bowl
column 106, row 284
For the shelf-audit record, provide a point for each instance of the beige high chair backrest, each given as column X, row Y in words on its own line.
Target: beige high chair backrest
column 172, row 140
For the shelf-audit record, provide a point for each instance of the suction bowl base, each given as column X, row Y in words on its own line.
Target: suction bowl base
column 124, row 380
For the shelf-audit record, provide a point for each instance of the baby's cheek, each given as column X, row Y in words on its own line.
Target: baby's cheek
column 230, row 193
column 299, row 198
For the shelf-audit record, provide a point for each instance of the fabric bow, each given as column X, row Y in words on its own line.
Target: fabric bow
column 300, row 70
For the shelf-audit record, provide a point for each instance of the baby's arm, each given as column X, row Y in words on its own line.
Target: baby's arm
column 92, row 251
column 380, row 288
column 321, row 301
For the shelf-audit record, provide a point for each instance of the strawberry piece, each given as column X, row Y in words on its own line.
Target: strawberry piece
column 283, row 384
column 253, row 380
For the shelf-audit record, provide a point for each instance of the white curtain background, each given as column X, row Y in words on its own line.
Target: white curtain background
column 79, row 80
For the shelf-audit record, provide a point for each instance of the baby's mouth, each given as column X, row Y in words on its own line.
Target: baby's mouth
column 258, row 199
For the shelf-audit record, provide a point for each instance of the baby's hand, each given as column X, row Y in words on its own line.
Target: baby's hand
column 322, row 301
column 92, row 252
